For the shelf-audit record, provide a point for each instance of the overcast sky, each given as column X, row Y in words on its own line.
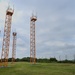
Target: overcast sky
column 55, row 27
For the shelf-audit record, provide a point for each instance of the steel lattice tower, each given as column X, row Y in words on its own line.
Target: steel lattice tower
column 6, row 37
column 14, row 47
column 32, row 39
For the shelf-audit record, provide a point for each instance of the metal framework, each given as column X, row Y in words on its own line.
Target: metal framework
column 6, row 37
column 32, row 40
column 14, row 47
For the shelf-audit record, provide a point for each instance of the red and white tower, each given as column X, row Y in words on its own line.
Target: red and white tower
column 14, row 47
column 32, row 40
column 6, row 37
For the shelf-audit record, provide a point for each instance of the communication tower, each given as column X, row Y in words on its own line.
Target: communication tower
column 32, row 39
column 6, row 37
column 14, row 47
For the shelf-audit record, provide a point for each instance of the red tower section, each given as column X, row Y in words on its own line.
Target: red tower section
column 14, row 47
column 6, row 37
column 32, row 40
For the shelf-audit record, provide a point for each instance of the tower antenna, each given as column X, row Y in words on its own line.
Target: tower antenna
column 14, row 47
column 32, row 39
column 6, row 37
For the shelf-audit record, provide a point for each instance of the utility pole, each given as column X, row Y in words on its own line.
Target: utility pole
column 59, row 58
column 74, row 57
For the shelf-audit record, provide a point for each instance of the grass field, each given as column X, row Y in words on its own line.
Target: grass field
column 23, row 68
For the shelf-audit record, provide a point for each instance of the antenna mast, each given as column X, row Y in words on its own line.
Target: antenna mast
column 6, row 37
column 14, row 47
column 32, row 39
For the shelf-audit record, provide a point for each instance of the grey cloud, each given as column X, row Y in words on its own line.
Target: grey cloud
column 55, row 22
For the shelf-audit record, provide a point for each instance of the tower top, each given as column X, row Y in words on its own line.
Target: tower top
column 14, row 33
column 9, row 11
column 33, row 18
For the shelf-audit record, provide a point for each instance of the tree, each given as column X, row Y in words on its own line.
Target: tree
column 53, row 60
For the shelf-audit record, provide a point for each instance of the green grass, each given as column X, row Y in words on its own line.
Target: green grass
column 23, row 68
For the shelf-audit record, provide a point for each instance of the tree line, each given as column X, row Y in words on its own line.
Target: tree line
column 42, row 60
